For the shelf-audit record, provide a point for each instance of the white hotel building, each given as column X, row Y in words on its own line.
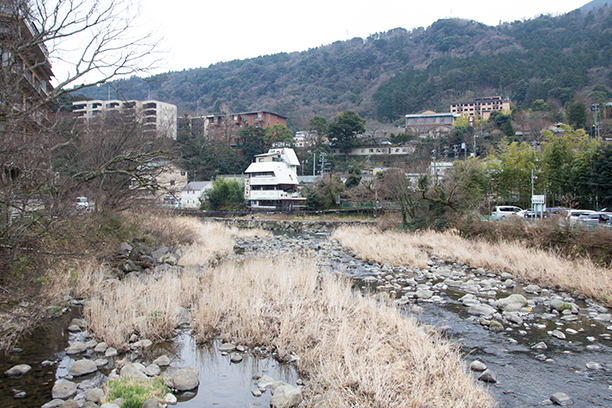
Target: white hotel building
column 271, row 181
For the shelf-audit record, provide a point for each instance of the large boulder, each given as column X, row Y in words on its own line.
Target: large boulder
column 64, row 390
column 83, row 367
column 76, row 348
column 481, row 310
column 17, row 370
column 185, row 379
column 130, row 371
column 512, row 303
column 286, row 396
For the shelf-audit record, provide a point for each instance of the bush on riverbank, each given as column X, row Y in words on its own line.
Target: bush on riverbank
column 526, row 264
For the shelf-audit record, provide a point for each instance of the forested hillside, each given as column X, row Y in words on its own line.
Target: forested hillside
column 390, row 74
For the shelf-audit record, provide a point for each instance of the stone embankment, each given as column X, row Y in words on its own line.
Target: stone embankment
column 304, row 226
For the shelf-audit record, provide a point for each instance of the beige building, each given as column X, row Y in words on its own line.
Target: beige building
column 155, row 116
column 430, row 123
column 482, row 107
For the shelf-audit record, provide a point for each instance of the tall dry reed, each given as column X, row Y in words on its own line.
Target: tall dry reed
column 353, row 351
column 528, row 265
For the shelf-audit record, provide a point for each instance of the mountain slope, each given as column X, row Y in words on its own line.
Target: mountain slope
column 390, row 74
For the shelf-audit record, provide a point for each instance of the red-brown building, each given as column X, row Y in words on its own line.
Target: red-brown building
column 224, row 127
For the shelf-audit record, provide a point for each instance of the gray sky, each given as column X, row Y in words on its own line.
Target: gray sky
column 200, row 33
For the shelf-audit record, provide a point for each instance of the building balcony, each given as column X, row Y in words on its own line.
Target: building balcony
column 272, row 195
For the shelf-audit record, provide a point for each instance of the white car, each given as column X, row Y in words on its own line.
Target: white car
column 572, row 215
column 502, row 211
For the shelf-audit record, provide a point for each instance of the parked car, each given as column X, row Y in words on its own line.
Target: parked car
column 528, row 213
column 595, row 218
column 502, row 211
column 82, row 204
column 572, row 215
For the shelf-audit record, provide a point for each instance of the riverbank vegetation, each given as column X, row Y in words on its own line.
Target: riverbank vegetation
column 350, row 349
column 526, row 264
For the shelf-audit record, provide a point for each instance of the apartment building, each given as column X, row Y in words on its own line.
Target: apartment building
column 25, row 71
column 224, row 127
column 155, row 116
column 271, row 181
column 482, row 107
column 430, row 123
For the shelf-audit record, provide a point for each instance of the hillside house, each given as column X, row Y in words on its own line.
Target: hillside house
column 191, row 193
column 271, row 181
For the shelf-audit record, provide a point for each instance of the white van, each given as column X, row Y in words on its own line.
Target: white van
column 502, row 211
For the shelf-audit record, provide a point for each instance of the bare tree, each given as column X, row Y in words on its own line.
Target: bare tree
column 99, row 40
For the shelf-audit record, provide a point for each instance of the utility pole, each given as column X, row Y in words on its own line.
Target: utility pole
column 314, row 163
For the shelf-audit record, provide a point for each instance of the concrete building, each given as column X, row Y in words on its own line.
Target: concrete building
column 481, row 108
column 304, row 139
column 224, row 127
column 26, row 71
column 378, row 150
column 271, row 181
column 155, row 116
column 191, row 193
column 430, row 123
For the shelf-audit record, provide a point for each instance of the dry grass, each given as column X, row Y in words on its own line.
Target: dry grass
column 353, row 351
column 117, row 309
column 528, row 265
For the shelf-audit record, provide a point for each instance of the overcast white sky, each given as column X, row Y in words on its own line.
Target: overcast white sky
column 199, row 33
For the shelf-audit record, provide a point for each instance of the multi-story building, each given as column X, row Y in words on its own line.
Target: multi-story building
column 482, row 107
column 224, row 127
column 25, row 71
column 155, row 116
column 304, row 139
column 430, row 123
column 191, row 193
column 271, row 181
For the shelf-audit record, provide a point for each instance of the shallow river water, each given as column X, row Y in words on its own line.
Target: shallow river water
column 526, row 377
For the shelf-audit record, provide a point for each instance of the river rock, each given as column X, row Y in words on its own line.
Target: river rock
column 540, row 346
column 76, row 348
column 488, row 376
column 82, row 367
column 496, row 326
column 170, row 399
column 481, row 310
column 17, row 370
column 265, row 382
column 183, row 317
column 560, row 398
column 101, row 362
column 151, row 403
column 144, row 343
column 559, row 305
column 53, row 403
column 558, row 334
column 94, row 395
column 130, row 371
column 109, row 405
column 423, row 294
column 152, row 370
column 184, row 379
column 535, row 289
column 69, row 404
column 63, row 390
column 603, row 317
column 100, row 347
column 477, row 365
column 110, row 352
column 236, row 358
column 286, row 396
column 162, row 361
column 512, row 303
column 227, row 347
column 591, row 365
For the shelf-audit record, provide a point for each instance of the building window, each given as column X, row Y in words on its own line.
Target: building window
column 182, row 173
column 171, row 182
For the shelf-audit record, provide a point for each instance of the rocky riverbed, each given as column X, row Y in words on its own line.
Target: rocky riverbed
column 531, row 346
